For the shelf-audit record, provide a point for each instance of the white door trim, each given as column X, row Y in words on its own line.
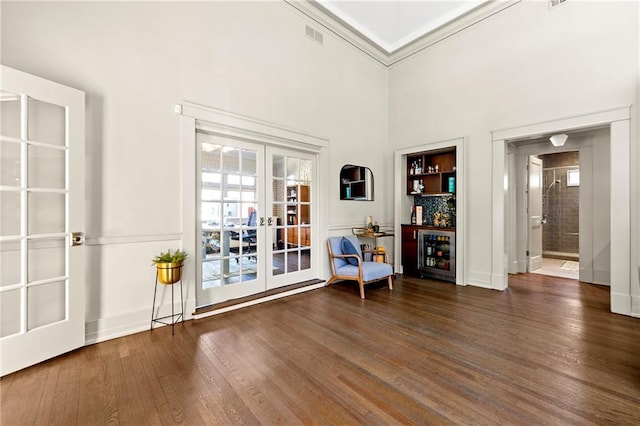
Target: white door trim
column 195, row 117
column 619, row 121
column 401, row 206
column 239, row 126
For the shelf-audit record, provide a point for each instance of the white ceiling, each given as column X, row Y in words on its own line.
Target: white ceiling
column 394, row 24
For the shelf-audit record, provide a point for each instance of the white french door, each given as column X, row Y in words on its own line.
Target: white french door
column 255, row 218
column 290, row 194
column 231, row 199
column 42, row 196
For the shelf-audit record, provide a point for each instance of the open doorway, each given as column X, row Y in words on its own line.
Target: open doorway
column 504, row 247
column 562, row 206
column 560, row 214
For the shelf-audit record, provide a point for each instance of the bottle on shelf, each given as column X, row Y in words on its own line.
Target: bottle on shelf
column 413, row 215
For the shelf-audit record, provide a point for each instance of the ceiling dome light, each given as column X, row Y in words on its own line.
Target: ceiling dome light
column 558, row 140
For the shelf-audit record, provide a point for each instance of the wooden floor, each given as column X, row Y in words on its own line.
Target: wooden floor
column 545, row 351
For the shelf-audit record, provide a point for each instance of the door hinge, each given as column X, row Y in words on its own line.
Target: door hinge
column 527, row 252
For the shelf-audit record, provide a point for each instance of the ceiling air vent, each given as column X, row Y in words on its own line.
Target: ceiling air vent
column 555, row 3
column 313, row 34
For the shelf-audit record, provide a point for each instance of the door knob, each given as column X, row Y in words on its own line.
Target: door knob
column 77, row 238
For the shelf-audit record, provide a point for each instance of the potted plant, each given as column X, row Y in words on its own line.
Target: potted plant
column 169, row 265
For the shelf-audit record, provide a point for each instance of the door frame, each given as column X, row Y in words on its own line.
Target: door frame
column 618, row 121
column 402, row 202
column 194, row 117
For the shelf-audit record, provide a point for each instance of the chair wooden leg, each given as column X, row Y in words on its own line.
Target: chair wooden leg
column 361, row 289
column 330, row 281
column 390, row 282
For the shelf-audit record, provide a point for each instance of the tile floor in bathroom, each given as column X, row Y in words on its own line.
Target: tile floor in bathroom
column 559, row 268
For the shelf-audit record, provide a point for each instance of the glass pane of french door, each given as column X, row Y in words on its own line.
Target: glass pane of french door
column 291, row 194
column 229, row 202
column 34, row 210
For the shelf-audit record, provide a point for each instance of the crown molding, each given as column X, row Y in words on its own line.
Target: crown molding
column 321, row 16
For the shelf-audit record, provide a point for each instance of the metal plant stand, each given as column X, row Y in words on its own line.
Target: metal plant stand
column 175, row 316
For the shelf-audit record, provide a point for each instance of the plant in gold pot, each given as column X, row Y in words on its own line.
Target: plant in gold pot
column 169, row 265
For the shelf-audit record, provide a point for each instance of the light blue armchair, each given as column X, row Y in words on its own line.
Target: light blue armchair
column 350, row 265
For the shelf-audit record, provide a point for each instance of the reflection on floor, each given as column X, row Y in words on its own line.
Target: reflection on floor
column 559, row 268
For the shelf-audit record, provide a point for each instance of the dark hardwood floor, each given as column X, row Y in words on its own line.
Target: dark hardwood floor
column 545, row 351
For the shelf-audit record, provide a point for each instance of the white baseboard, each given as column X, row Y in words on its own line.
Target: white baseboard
column 621, row 303
column 601, row 276
column 478, row 279
column 127, row 323
column 635, row 306
column 585, row 274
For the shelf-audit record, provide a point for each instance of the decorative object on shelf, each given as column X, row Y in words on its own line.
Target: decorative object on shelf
column 419, row 217
column 431, row 172
column 379, row 255
column 356, row 183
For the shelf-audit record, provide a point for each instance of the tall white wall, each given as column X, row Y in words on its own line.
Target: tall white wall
column 135, row 61
column 525, row 65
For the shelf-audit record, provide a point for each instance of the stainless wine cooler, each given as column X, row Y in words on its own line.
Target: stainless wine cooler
column 437, row 254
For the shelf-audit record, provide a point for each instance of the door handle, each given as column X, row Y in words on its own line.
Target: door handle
column 269, row 221
column 77, row 239
column 262, row 221
column 544, row 219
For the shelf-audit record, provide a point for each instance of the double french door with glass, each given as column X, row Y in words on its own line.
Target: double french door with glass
column 256, row 218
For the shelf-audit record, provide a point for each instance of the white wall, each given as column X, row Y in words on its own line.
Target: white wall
column 525, row 65
column 135, row 61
